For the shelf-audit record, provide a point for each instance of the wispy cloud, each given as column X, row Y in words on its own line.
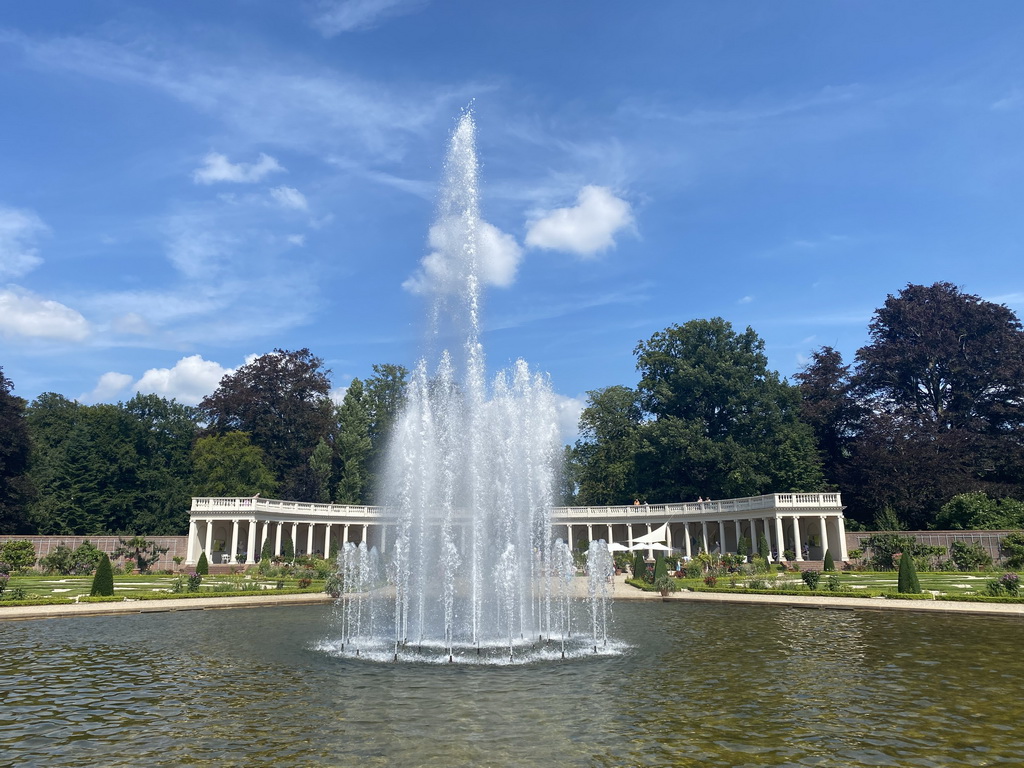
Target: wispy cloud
column 289, row 197
column 19, row 231
column 216, row 168
column 336, row 16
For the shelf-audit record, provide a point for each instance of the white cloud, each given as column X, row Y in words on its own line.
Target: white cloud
column 297, row 240
column 23, row 313
column 745, row 300
column 339, row 16
column 110, row 385
column 19, row 229
column 189, row 381
column 289, row 197
column 442, row 270
column 337, row 395
column 216, row 167
column 569, row 410
column 585, row 229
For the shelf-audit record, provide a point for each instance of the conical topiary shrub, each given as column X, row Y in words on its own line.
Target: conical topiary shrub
column 907, row 583
column 830, row 564
column 267, row 552
column 103, row 581
column 203, row 566
column 639, row 566
column 763, row 550
column 660, row 568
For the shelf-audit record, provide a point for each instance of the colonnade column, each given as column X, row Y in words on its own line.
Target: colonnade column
column 264, row 536
column 780, row 538
column 295, row 539
column 590, row 533
column 327, row 541
column 193, row 540
column 610, row 539
column 277, row 539
column 768, row 537
column 250, row 550
column 568, row 535
column 345, row 537
column 650, row 552
column 686, row 536
column 309, row 538
column 798, row 548
column 209, row 539
column 841, row 535
column 739, row 535
column 383, row 537
column 823, row 532
column 704, row 535
column 721, row 537
column 234, row 541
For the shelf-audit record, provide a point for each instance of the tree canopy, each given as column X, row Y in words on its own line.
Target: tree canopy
column 15, row 447
column 282, row 400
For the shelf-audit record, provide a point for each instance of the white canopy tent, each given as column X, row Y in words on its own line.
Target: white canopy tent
column 658, row 535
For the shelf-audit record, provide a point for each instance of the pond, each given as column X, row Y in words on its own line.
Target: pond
column 724, row 685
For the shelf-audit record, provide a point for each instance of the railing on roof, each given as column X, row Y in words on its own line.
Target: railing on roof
column 772, row 501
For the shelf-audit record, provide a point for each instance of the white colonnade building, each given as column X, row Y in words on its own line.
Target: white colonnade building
column 236, row 529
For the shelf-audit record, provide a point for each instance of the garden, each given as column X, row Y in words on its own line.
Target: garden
column 86, row 574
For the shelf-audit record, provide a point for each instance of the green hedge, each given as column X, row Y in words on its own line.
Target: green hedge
column 860, row 593
column 38, row 601
column 979, row 599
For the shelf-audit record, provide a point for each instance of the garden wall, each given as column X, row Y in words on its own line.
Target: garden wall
column 46, row 544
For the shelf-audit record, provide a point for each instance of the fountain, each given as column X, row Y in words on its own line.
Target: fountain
column 473, row 575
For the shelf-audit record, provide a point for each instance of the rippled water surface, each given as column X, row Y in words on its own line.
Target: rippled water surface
column 700, row 685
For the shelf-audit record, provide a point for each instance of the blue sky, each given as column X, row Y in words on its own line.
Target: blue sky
column 184, row 185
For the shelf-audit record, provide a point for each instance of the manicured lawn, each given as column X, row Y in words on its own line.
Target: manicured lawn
column 77, row 586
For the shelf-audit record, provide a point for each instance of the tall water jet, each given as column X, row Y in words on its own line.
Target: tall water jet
column 469, row 480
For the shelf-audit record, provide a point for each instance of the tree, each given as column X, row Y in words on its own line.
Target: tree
column 15, row 447
column 605, row 457
column 974, row 511
column 829, row 564
column 103, row 581
column 203, row 564
column 140, row 549
column 827, row 405
column 906, row 581
column 1013, row 549
column 722, row 424
column 72, row 562
column 946, row 355
column 969, row 556
column 353, row 446
column 320, row 466
column 230, row 465
column 282, row 400
column 385, row 393
column 18, row 554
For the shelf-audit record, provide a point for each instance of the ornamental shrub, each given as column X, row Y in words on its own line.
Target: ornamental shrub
column 203, row 566
column 830, row 564
column 811, row 579
column 969, row 556
column 907, row 582
column 660, row 569
column 763, row 550
column 267, row 552
column 639, row 566
column 103, row 581
column 1013, row 549
column 18, row 554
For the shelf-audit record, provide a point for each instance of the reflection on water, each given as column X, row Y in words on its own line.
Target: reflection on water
column 700, row 685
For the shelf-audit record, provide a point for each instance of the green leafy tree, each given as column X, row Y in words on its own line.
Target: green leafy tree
column 907, row 582
column 1012, row 547
column 15, row 448
column 203, row 564
column 230, row 465
column 722, row 424
column 606, row 454
column 282, row 400
column 320, row 468
column 353, row 446
column 140, row 549
column 828, row 406
column 978, row 511
column 103, row 581
column 18, row 554
column 969, row 556
column 72, row 562
column 385, row 394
